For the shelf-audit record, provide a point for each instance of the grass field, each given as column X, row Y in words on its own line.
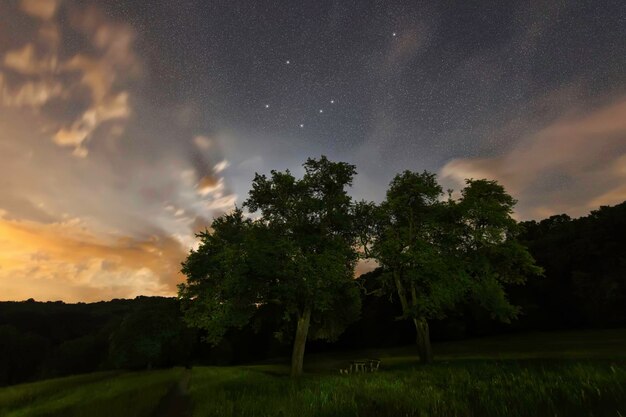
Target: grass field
column 103, row 394
column 557, row 374
column 456, row 389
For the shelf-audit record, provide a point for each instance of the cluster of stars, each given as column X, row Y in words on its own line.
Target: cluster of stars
column 332, row 101
column 301, row 125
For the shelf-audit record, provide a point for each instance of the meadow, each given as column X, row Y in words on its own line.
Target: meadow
column 101, row 394
column 541, row 374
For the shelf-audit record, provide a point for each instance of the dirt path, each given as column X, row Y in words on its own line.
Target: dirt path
column 177, row 402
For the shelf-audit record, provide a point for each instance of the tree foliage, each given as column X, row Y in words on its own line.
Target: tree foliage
column 298, row 253
column 585, row 261
column 150, row 336
column 436, row 253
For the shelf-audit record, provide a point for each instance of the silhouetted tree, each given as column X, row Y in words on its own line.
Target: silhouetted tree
column 21, row 355
column 152, row 335
column 83, row 354
column 299, row 254
column 437, row 253
column 585, row 263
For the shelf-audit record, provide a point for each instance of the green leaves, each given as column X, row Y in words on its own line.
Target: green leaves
column 221, row 291
column 313, row 217
column 300, row 251
column 441, row 253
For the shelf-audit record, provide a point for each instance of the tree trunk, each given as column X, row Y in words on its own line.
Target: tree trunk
column 424, row 349
column 299, row 343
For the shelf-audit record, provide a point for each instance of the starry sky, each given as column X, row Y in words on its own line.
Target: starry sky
column 125, row 126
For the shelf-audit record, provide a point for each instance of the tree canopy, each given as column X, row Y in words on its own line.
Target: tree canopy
column 297, row 250
column 299, row 253
column 438, row 252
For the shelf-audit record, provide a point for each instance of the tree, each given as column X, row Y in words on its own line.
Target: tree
column 21, row 355
column 585, row 263
column 438, row 253
column 299, row 254
column 151, row 335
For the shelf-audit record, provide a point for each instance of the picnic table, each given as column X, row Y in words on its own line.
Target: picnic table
column 364, row 365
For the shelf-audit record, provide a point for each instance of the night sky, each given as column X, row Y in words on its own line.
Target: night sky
column 125, row 126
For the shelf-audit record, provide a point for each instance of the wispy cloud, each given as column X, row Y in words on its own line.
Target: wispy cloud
column 574, row 164
column 117, row 221
column 46, row 75
column 43, row 9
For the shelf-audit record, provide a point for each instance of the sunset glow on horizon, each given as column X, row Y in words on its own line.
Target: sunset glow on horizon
column 125, row 127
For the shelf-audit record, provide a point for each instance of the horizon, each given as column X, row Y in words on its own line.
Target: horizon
column 125, row 127
column 360, row 269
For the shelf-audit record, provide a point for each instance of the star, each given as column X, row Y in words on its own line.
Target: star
column 332, row 101
column 288, row 62
column 301, row 125
column 321, row 111
column 393, row 34
column 267, row 106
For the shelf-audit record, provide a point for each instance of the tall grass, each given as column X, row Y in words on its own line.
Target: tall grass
column 20, row 395
column 106, row 395
column 543, row 374
column 461, row 388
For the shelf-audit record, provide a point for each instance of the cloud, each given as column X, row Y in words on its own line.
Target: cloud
column 408, row 45
column 46, row 74
column 75, row 265
column 210, row 184
column 138, row 212
column 43, row 9
column 30, row 94
column 611, row 197
column 221, row 166
column 139, row 201
column 222, row 203
column 108, row 108
column 24, row 61
column 617, row 193
column 202, row 142
column 571, row 165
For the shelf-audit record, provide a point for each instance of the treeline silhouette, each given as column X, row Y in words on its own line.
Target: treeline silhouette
column 584, row 287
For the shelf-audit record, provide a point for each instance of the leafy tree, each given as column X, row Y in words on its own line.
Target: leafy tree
column 152, row 335
column 21, row 355
column 298, row 254
column 438, row 253
column 79, row 355
column 585, row 262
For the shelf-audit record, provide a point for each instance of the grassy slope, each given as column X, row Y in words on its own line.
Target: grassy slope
column 569, row 374
column 93, row 395
column 565, row 374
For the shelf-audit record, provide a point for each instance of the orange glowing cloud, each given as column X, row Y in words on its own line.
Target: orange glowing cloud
column 62, row 261
column 43, row 9
column 119, row 223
